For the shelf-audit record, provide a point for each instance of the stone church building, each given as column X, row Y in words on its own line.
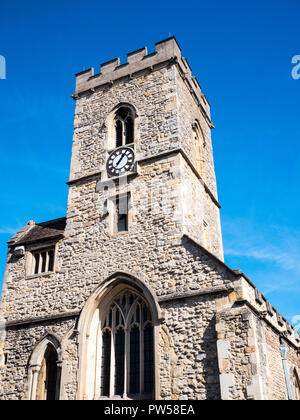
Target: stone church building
column 128, row 296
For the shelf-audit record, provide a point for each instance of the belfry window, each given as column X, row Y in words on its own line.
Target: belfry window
column 127, row 360
column 124, row 126
column 199, row 144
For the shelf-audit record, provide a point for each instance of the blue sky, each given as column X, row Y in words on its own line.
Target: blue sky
column 241, row 53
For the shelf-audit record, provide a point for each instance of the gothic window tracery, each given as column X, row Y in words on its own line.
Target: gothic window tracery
column 127, row 363
column 124, row 126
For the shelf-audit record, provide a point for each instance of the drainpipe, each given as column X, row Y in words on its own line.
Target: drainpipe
column 283, row 350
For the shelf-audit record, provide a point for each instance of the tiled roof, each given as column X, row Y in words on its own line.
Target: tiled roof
column 40, row 232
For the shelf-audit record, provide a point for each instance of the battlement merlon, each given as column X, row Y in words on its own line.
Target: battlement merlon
column 167, row 51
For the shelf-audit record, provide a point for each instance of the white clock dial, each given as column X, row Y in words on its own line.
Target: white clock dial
column 120, row 161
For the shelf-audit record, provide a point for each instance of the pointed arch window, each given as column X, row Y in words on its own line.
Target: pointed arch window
column 124, row 126
column 127, row 360
column 44, row 370
column 49, row 376
column 296, row 385
column 199, row 144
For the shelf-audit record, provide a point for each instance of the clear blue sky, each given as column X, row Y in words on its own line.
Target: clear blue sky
column 240, row 52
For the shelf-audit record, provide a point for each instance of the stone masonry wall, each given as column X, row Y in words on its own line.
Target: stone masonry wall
column 188, row 113
column 201, row 214
column 153, row 96
column 250, row 361
column 19, row 345
column 189, row 367
column 90, row 253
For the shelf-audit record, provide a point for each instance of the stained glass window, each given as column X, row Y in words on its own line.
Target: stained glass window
column 134, row 387
column 127, row 320
column 148, row 359
column 119, row 361
column 105, row 376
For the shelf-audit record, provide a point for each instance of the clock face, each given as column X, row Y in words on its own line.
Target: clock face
column 120, row 161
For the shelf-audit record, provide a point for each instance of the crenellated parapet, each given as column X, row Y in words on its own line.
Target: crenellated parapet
column 167, row 52
column 252, row 297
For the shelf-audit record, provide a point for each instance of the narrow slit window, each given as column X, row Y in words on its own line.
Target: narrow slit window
column 51, row 260
column 129, row 130
column 44, row 261
column 4, row 359
column 120, row 361
column 122, row 209
column 122, row 222
column 148, row 359
column 36, row 263
column 134, row 387
column 119, row 133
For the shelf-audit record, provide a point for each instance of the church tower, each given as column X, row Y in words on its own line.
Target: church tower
column 128, row 296
column 152, row 109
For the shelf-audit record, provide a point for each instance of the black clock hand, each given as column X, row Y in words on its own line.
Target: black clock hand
column 120, row 158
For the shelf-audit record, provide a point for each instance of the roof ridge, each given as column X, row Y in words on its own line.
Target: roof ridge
column 51, row 221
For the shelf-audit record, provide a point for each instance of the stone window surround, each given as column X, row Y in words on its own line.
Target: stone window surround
column 296, row 383
column 200, row 145
column 88, row 380
column 126, row 327
column 102, row 171
column 111, row 211
column 110, row 139
column 35, row 363
column 33, row 249
column 124, row 122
